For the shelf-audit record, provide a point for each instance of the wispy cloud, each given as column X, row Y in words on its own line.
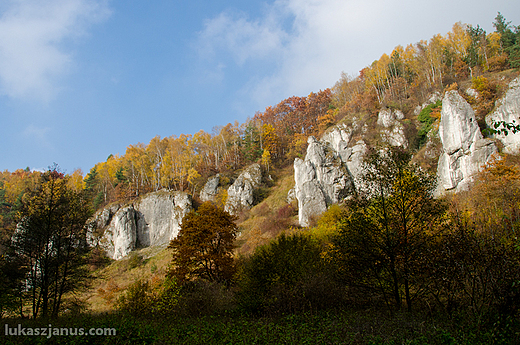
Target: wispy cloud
column 245, row 38
column 34, row 53
column 304, row 45
column 38, row 136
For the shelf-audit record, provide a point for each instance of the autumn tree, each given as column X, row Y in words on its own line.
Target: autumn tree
column 387, row 226
column 203, row 248
column 50, row 238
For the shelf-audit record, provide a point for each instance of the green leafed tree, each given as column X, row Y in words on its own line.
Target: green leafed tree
column 203, row 248
column 382, row 239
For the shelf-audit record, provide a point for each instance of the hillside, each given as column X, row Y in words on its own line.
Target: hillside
column 393, row 192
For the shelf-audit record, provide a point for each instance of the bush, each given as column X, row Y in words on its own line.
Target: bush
column 201, row 297
column 135, row 260
column 427, row 117
column 286, row 275
column 144, row 298
column 137, row 300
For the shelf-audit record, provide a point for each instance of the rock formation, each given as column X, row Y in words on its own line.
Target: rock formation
column 464, row 150
column 393, row 130
column 323, row 177
column 153, row 220
column 508, row 110
column 210, row 190
column 240, row 193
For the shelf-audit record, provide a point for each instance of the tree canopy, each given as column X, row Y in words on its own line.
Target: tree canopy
column 204, row 246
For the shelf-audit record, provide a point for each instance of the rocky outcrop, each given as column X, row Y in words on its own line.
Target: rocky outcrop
column 434, row 97
column 160, row 216
column 211, row 188
column 240, row 193
column 322, row 178
column 392, row 131
column 508, row 110
column 464, row 150
column 120, row 236
column 155, row 219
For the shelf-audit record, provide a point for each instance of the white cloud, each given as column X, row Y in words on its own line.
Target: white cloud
column 304, row 45
column 33, row 43
column 244, row 38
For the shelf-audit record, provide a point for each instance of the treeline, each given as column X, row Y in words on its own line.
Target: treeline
column 409, row 74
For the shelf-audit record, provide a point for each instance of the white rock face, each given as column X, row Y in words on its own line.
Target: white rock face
column 393, row 131
column 153, row 220
column 355, row 161
column 120, row 236
column 323, row 178
column 159, row 217
column 338, row 138
column 240, row 193
column 464, row 150
column 508, row 110
column 210, row 190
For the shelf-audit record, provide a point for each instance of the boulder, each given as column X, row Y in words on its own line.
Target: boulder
column 464, row 150
column 210, row 190
column 508, row 110
column 240, row 193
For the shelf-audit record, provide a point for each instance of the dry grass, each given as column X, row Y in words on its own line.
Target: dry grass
column 265, row 221
column 109, row 282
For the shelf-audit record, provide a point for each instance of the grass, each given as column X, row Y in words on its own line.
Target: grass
column 110, row 281
column 255, row 230
column 339, row 327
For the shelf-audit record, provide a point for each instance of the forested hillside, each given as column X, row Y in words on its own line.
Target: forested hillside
column 402, row 80
column 391, row 262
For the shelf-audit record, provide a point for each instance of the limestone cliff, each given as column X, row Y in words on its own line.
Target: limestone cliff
column 240, row 193
column 323, row 177
column 392, row 131
column 211, row 188
column 464, row 150
column 152, row 220
column 508, row 109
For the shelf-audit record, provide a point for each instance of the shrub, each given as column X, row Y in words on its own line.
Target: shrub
column 166, row 296
column 135, row 260
column 144, row 298
column 287, row 275
column 427, row 117
column 201, row 297
column 137, row 300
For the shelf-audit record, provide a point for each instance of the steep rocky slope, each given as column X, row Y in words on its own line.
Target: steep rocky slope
column 328, row 174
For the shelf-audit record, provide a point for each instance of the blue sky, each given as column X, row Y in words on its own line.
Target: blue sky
column 82, row 79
